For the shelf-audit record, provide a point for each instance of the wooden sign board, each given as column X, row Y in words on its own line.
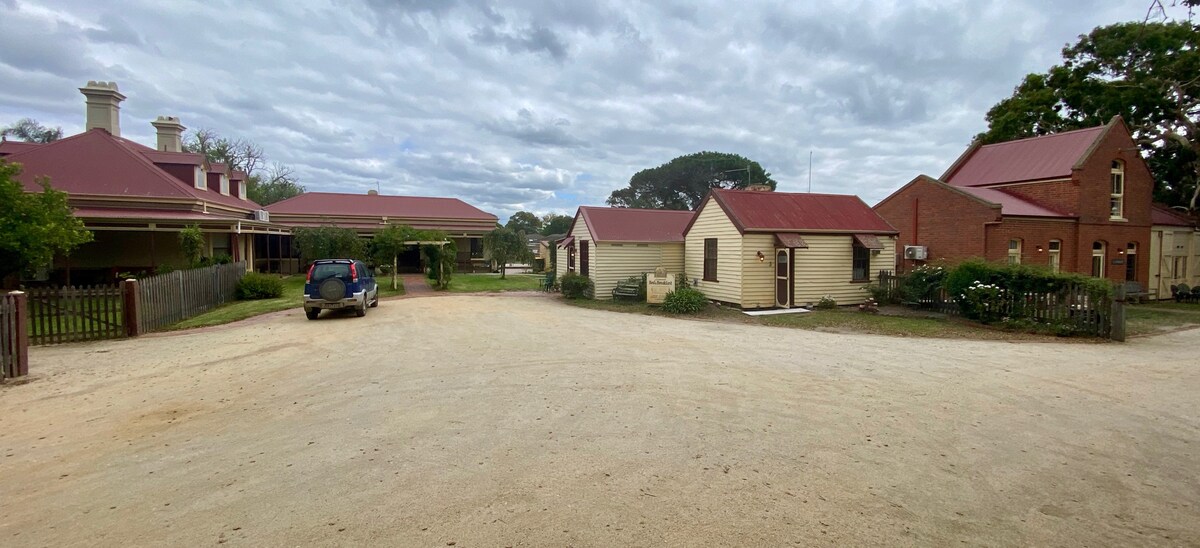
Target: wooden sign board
column 658, row 285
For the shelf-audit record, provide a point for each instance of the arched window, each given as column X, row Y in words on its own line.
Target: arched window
column 1098, row 254
column 1131, row 262
column 1117, row 196
column 1014, row 251
column 1055, row 249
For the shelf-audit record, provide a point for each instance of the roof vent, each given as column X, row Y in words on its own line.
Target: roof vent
column 759, row 188
column 372, row 192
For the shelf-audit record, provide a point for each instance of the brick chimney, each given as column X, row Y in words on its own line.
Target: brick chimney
column 103, row 106
column 170, row 133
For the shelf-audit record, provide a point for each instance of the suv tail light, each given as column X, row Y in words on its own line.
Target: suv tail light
column 353, row 273
column 308, row 280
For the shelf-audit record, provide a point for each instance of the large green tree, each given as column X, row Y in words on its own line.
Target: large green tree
column 1149, row 73
column 505, row 246
column 524, row 221
column 328, row 242
column 554, row 223
column 29, row 130
column 34, row 226
column 683, row 182
column 265, row 184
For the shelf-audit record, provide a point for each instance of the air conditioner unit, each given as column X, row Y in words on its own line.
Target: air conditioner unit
column 916, row 252
column 262, row 215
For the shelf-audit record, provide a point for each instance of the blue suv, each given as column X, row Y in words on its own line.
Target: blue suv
column 337, row 284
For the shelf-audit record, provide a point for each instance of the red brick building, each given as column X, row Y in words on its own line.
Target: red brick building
column 1077, row 201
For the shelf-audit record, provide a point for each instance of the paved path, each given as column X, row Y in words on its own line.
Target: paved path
column 416, row 285
column 522, row 421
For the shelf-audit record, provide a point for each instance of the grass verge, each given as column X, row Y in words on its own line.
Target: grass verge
column 1153, row 318
column 841, row 320
column 480, row 283
column 293, row 294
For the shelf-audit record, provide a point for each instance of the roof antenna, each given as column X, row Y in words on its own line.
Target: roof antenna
column 377, row 189
column 810, row 172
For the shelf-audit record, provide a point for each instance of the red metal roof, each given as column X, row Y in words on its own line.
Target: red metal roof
column 13, row 147
column 794, row 212
column 618, row 224
column 1163, row 215
column 1012, row 205
column 149, row 214
column 96, row 163
column 1033, row 159
column 162, row 157
column 378, row 205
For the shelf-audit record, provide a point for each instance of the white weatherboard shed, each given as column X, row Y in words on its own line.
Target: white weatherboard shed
column 610, row 244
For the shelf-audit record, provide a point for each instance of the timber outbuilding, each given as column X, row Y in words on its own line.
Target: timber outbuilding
column 610, row 244
column 761, row 249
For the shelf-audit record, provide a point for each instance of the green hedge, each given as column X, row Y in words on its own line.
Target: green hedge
column 255, row 286
column 983, row 290
column 575, row 286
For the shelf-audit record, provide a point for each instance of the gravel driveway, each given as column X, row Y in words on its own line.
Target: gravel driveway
column 517, row 420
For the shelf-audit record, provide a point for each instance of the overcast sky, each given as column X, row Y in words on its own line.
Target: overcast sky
column 545, row 106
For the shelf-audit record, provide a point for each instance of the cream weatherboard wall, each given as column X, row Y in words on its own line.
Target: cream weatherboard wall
column 1174, row 258
column 580, row 232
column 632, row 259
column 826, row 268
column 713, row 223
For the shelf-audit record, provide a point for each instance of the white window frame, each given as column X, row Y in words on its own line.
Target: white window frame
column 1054, row 249
column 1116, row 190
column 1101, row 254
column 1014, row 251
column 224, row 184
column 201, row 182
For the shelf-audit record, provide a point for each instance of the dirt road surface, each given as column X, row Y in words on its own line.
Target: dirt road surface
column 520, row 421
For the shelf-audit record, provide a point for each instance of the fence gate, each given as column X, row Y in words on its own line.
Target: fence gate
column 74, row 314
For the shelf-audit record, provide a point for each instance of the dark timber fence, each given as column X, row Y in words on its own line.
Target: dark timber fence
column 76, row 313
column 170, row 298
column 53, row 315
column 14, row 344
column 1073, row 306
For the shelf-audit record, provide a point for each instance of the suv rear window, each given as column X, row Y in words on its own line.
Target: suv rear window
column 324, row 271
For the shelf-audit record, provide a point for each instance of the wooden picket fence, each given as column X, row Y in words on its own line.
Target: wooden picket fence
column 14, row 354
column 75, row 313
column 1073, row 306
column 170, row 298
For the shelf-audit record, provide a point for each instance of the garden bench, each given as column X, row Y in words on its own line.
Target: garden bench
column 1135, row 292
column 628, row 289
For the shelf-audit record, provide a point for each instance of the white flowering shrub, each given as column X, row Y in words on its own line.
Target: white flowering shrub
column 982, row 302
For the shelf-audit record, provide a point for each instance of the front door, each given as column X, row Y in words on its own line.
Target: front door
column 783, row 285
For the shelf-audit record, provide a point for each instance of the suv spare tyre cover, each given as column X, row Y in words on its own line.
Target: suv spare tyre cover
column 332, row 289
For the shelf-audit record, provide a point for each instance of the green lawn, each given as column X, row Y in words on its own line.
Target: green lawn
column 293, row 291
column 1151, row 318
column 841, row 320
column 479, row 283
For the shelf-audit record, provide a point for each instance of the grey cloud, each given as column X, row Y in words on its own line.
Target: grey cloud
column 528, row 40
column 528, row 129
column 506, row 105
column 114, row 30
